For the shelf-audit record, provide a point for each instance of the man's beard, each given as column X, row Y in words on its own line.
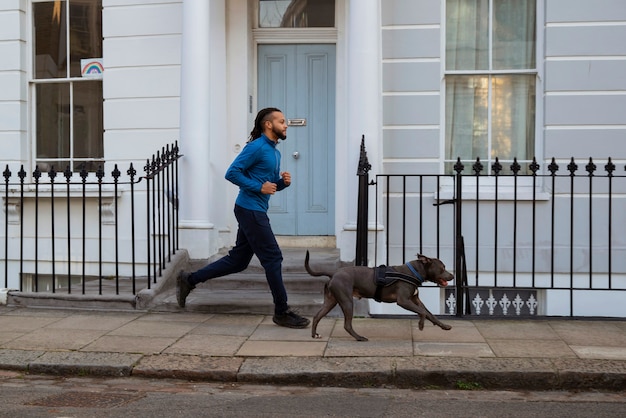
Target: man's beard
column 279, row 134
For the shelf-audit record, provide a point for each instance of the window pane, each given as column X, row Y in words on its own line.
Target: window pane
column 53, row 120
column 467, row 103
column 50, row 39
column 85, row 32
column 296, row 13
column 88, row 120
column 467, row 34
column 513, row 117
column 514, row 34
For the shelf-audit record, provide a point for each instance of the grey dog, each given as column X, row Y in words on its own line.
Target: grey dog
column 361, row 282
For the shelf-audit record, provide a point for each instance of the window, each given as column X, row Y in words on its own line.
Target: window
column 296, row 13
column 68, row 84
column 490, row 81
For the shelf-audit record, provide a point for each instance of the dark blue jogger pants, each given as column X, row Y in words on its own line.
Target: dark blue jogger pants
column 254, row 236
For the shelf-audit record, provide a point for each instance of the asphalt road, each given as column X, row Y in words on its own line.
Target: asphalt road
column 48, row 396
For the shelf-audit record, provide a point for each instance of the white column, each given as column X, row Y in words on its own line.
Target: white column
column 363, row 100
column 202, row 54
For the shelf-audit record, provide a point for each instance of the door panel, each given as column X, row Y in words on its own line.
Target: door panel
column 300, row 80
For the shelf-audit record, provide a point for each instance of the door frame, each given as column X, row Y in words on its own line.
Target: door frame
column 334, row 36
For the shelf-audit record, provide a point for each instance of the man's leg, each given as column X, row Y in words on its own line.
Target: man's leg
column 237, row 260
column 256, row 226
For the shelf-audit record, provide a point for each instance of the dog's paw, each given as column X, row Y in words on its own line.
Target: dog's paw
column 317, row 336
column 446, row 327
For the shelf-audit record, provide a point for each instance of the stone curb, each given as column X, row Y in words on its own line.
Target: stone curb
column 84, row 363
column 403, row 372
column 444, row 373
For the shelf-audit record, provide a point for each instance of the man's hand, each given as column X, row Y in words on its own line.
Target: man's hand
column 268, row 188
column 286, row 177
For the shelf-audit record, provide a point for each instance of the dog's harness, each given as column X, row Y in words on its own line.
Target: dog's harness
column 385, row 276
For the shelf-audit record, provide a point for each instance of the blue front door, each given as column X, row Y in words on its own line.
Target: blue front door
column 300, row 80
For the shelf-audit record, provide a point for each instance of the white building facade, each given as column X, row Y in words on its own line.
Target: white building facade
column 424, row 81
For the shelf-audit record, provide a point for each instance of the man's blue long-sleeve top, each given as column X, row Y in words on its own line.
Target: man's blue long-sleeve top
column 258, row 162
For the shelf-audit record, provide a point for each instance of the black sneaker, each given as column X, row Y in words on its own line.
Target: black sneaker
column 290, row 319
column 183, row 288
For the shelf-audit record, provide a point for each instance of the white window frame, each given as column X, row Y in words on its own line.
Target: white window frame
column 32, row 88
column 487, row 179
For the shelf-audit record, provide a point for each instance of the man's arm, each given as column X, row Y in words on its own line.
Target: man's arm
column 284, row 181
column 236, row 172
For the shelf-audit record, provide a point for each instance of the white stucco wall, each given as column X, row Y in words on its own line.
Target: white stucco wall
column 13, row 85
column 141, row 83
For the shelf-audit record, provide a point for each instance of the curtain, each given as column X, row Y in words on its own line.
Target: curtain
column 490, row 115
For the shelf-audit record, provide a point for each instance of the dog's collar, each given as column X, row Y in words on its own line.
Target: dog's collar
column 417, row 275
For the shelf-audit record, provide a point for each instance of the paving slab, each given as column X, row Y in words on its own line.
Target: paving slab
column 375, row 347
column 517, row 330
column 180, row 316
column 54, row 339
column 130, row 344
column 148, row 328
column 208, row 345
column 93, row 321
column 25, row 323
column 460, row 332
column 453, row 349
column 9, row 336
column 268, row 331
column 230, row 325
column 590, row 333
column 603, row 353
column 531, row 348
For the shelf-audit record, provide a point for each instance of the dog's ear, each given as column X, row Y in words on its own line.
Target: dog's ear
column 423, row 259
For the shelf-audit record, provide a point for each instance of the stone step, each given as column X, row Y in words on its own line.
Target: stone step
column 293, row 260
column 294, row 282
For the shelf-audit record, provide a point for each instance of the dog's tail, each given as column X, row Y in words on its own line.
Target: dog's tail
column 310, row 271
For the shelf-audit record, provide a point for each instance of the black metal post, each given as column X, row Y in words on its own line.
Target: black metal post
column 460, row 247
column 362, row 213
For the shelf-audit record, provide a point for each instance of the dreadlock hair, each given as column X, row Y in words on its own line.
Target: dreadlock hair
column 261, row 117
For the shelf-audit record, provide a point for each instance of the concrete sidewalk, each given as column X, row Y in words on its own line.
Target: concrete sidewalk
column 532, row 354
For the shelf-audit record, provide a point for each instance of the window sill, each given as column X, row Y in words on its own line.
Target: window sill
column 488, row 193
column 107, row 193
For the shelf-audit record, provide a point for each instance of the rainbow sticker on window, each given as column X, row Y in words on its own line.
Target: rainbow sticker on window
column 91, row 67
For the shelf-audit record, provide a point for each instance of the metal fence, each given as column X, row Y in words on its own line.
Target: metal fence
column 82, row 232
column 553, row 233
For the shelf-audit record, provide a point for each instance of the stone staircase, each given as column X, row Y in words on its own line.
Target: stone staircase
column 248, row 293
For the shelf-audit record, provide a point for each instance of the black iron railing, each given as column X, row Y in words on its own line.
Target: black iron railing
column 559, row 227
column 89, row 232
